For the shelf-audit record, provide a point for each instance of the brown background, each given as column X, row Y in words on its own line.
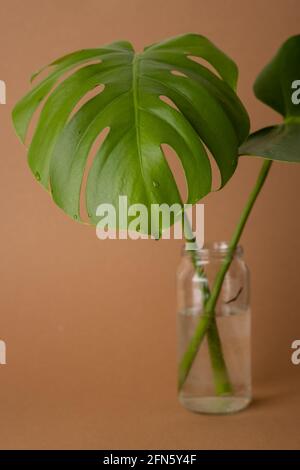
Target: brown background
column 90, row 325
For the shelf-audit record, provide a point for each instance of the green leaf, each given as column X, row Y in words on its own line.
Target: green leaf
column 204, row 112
column 275, row 86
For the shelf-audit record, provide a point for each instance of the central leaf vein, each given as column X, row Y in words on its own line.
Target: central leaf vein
column 135, row 94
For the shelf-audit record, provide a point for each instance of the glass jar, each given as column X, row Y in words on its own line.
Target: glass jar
column 219, row 378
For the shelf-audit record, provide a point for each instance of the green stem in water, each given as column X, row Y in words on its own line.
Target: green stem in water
column 206, row 319
column 220, row 373
column 221, row 376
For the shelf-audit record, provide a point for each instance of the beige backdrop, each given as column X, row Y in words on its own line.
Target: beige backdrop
column 90, row 325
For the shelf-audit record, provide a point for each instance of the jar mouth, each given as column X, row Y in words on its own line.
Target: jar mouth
column 217, row 249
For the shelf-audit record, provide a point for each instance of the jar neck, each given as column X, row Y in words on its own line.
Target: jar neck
column 216, row 251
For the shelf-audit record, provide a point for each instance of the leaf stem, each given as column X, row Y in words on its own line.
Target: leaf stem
column 205, row 320
column 220, row 373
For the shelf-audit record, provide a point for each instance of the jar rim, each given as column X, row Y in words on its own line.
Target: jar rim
column 214, row 249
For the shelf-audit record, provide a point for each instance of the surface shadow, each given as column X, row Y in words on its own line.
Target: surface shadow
column 261, row 400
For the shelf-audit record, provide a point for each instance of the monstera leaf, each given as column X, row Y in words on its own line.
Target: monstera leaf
column 277, row 86
column 201, row 111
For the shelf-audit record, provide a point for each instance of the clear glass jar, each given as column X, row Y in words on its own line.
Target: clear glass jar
column 219, row 379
